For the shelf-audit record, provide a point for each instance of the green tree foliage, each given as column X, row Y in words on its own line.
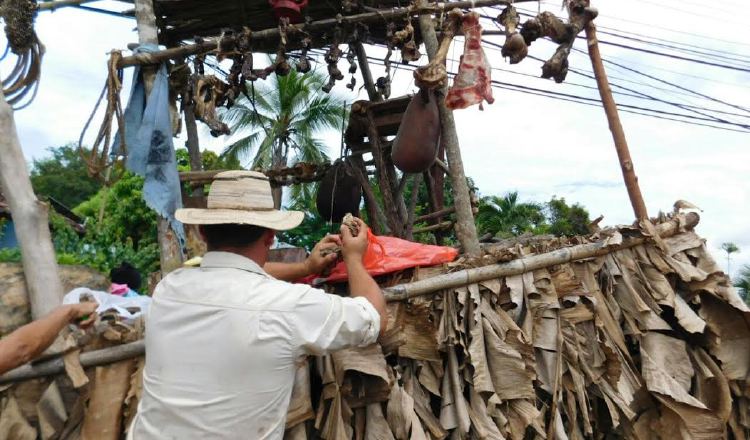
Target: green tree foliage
column 63, row 176
column 314, row 227
column 566, row 220
column 742, row 282
column 126, row 232
column 209, row 161
column 508, row 217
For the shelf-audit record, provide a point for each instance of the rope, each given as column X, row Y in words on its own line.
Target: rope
column 98, row 160
column 18, row 16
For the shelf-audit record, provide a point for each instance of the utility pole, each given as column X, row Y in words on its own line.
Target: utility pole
column 613, row 118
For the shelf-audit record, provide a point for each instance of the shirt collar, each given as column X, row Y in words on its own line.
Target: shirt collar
column 218, row 259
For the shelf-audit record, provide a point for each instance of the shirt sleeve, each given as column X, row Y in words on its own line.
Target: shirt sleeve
column 326, row 322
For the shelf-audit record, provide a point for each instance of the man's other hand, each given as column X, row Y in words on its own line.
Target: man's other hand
column 354, row 248
column 316, row 263
column 82, row 314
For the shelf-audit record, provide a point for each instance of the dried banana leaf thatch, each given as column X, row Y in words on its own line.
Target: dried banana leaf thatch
column 644, row 342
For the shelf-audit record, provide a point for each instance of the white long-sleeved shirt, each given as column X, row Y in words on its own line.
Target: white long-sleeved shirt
column 221, row 345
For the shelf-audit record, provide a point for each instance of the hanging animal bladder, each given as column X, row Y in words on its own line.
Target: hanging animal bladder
column 415, row 147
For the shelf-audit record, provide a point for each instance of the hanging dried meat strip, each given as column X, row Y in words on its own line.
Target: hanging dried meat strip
column 472, row 84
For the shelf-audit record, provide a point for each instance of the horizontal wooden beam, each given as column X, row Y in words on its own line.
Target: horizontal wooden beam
column 436, row 214
column 382, row 15
column 438, row 227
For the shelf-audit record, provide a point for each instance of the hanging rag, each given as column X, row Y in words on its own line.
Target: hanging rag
column 148, row 136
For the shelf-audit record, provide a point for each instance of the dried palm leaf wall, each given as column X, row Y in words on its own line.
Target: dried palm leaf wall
column 645, row 342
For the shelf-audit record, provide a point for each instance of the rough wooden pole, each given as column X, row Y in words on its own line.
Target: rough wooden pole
column 30, row 220
column 170, row 254
column 613, row 118
column 466, row 230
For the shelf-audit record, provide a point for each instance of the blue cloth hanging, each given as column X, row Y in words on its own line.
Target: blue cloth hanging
column 148, row 138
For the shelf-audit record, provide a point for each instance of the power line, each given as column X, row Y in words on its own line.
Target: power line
column 663, row 54
column 691, row 34
column 635, row 93
column 672, row 84
column 651, row 112
column 682, row 49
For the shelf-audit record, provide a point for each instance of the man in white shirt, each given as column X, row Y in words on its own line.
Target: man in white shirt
column 222, row 340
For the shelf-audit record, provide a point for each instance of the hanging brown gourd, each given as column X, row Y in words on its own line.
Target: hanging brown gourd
column 415, row 147
column 339, row 193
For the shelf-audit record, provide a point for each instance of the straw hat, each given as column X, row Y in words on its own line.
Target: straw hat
column 241, row 197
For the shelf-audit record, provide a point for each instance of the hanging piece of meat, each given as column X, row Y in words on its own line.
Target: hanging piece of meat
column 472, row 84
column 415, row 147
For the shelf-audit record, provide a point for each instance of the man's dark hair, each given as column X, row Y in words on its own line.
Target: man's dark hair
column 125, row 273
column 231, row 235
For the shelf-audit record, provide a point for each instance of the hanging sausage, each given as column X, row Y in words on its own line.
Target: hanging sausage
column 415, row 147
column 339, row 192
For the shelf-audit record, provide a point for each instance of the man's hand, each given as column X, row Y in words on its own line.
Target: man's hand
column 82, row 314
column 316, row 263
column 354, row 248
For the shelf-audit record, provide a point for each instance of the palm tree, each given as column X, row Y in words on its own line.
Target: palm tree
column 743, row 283
column 506, row 217
column 729, row 248
column 279, row 128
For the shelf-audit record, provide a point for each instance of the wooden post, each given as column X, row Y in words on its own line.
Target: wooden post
column 170, row 254
column 30, row 220
column 466, row 230
column 613, row 118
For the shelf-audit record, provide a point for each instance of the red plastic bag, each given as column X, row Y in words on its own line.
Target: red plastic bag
column 390, row 254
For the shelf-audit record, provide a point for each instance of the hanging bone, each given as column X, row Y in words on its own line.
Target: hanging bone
column 564, row 34
column 303, row 65
column 208, row 94
column 334, row 74
column 515, row 47
column 434, row 74
column 404, row 39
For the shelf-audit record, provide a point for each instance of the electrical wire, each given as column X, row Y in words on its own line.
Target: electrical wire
column 645, row 111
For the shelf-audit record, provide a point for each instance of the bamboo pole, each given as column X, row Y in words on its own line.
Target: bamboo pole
column 378, row 16
column 466, row 230
column 30, row 220
column 88, row 359
column 399, row 292
column 613, row 118
column 526, row 264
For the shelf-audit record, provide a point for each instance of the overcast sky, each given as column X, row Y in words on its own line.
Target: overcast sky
column 537, row 146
